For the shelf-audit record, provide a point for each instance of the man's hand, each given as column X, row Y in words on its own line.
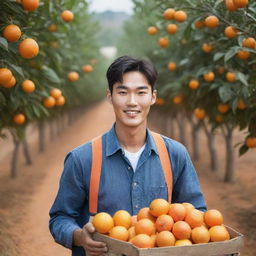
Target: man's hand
column 83, row 237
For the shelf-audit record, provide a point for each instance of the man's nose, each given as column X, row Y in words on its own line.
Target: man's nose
column 132, row 99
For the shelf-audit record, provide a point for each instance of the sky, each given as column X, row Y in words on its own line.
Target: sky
column 113, row 5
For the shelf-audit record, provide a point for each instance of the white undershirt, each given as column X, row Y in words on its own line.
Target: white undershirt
column 134, row 157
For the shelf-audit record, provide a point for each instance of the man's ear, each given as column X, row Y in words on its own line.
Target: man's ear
column 154, row 96
column 109, row 96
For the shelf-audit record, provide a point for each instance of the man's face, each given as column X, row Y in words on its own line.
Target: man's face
column 132, row 99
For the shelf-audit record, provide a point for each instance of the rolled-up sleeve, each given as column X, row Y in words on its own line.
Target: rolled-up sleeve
column 186, row 187
column 68, row 203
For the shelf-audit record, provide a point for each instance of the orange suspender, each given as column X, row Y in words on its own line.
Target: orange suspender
column 96, row 169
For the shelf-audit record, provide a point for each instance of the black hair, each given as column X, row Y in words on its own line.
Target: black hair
column 126, row 64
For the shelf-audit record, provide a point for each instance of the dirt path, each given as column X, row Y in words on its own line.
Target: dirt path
column 28, row 220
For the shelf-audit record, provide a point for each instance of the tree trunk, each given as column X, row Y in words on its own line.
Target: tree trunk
column 26, row 152
column 182, row 131
column 195, row 144
column 41, row 136
column 15, row 156
column 52, row 132
column 230, row 167
column 212, row 148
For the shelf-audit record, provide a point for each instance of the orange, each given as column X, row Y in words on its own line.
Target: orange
column 10, row 83
column 152, row 30
column 163, row 42
column 119, row 232
column 60, row 101
column 207, row 47
column 19, row 119
column 221, row 70
column 122, row 218
column 211, row 21
column 250, row 142
column 200, row 113
column 213, row 218
column 55, row 93
column 249, row 42
column 159, row 101
column 231, row 77
column 73, row 76
column 177, row 100
column 194, row 218
column 209, row 77
column 199, row 24
column 200, row 235
column 87, row 68
column 145, row 214
column 172, row 66
column 230, row 5
column 230, row 32
column 218, row 233
column 131, row 232
column 193, row 84
column 28, row 86
column 165, row 238
column 49, row 102
column 52, row 28
column 153, row 237
column 54, row 44
column 67, row 16
column 188, row 206
column 243, row 55
column 158, row 207
column 240, row 3
column 103, row 222
column 241, row 105
column 28, row 48
column 12, row 33
column 169, row 14
column 171, row 28
column 5, row 75
column 164, row 222
column 180, row 16
column 134, row 219
column 144, row 226
column 142, row 241
column 223, row 108
column 181, row 230
column 219, row 118
column 30, row 5
column 177, row 211
column 183, row 242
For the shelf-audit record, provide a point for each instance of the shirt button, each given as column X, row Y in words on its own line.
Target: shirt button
column 136, row 206
column 129, row 167
column 135, row 184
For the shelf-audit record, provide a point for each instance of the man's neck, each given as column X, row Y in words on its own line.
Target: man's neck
column 131, row 138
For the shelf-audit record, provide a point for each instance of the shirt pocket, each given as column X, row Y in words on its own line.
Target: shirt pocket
column 157, row 192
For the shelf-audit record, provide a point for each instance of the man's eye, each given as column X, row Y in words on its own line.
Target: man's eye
column 142, row 92
column 122, row 92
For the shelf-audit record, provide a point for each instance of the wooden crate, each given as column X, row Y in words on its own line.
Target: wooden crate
column 231, row 246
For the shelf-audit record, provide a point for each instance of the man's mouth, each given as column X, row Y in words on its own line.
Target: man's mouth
column 132, row 113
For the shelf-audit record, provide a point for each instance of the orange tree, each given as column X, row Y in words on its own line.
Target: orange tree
column 41, row 43
column 206, row 61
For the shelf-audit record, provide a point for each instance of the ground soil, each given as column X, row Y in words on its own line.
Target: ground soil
column 25, row 201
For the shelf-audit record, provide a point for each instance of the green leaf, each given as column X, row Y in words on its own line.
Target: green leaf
column 243, row 150
column 3, row 43
column 183, row 62
column 242, row 78
column 225, row 93
column 230, row 53
column 218, row 56
column 50, row 75
column 17, row 69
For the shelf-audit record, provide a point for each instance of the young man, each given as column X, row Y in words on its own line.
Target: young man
column 131, row 173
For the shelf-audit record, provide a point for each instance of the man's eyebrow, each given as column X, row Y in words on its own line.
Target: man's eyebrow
column 143, row 87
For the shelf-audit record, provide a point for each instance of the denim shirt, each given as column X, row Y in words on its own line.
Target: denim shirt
column 120, row 187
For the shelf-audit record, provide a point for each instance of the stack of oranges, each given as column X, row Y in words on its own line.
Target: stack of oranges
column 163, row 224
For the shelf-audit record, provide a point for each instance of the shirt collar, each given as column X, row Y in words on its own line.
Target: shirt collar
column 113, row 145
